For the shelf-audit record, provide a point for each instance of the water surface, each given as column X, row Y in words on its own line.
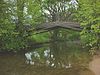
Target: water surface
column 58, row 58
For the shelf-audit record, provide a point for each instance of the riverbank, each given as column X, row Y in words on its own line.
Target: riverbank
column 95, row 64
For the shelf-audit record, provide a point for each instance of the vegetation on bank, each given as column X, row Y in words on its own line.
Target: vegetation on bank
column 18, row 17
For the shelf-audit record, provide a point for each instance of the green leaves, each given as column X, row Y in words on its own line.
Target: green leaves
column 87, row 15
column 33, row 12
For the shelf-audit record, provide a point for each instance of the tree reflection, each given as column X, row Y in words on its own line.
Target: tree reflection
column 61, row 55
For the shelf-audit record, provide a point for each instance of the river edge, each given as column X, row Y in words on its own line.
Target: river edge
column 95, row 64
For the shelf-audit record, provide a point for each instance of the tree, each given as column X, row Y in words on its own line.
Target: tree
column 88, row 15
column 58, row 10
column 17, row 17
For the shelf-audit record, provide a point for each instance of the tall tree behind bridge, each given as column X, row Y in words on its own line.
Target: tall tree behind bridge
column 59, row 10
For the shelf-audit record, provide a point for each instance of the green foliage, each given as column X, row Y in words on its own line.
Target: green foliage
column 33, row 14
column 89, row 17
column 12, row 42
column 70, row 35
column 13, row 16
column 13, row 34
column 41, row 37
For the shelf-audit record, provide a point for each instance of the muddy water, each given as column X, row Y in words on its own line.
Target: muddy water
column 63, row 59
column 15, row 65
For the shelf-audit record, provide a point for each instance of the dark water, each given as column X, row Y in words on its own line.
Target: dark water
column 66, row 58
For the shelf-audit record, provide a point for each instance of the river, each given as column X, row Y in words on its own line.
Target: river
column 55, row 59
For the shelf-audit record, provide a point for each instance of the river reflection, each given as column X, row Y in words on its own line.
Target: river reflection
column 58, row 58
column 59, row 55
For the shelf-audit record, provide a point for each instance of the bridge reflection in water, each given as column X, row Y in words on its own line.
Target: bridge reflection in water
column 58, row 58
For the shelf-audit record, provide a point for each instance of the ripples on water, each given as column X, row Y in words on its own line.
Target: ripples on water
column 54, row 59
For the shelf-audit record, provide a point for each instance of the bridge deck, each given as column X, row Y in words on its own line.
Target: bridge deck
column 66, row 25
